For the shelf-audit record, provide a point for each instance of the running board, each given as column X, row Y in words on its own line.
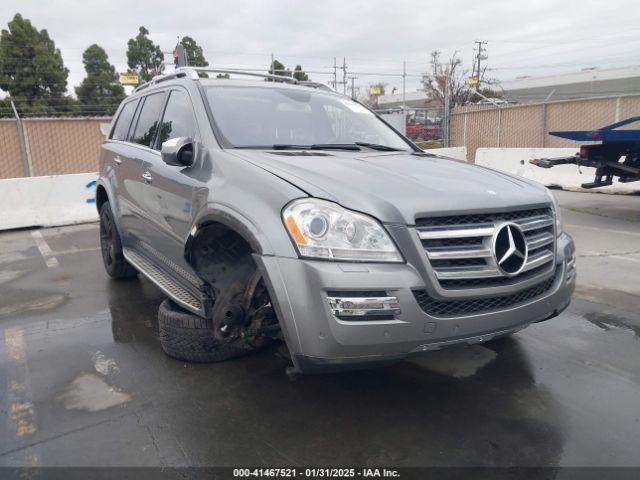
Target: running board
column 170, row 287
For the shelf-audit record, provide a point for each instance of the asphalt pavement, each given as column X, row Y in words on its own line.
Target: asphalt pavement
column 83, row 381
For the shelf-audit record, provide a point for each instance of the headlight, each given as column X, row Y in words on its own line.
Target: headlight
column 322, row 229
column 556, row 212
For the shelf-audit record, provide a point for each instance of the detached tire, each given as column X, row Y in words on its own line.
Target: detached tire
column 191, row 338
column 111, row 246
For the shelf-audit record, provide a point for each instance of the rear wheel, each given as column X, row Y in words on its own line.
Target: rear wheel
column 111, row 246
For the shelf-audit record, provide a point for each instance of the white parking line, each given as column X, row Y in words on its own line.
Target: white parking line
column 44, row 248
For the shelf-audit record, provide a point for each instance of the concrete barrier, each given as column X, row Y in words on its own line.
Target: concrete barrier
column 47, row 201
column 570, row 177
column 457, row 153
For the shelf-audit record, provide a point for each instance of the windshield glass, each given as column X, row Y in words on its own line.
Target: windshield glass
column 254, row 117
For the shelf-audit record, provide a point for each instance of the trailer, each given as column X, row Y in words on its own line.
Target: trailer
column 617, row 156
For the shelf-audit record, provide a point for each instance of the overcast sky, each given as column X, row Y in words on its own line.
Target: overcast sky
column 536, row 37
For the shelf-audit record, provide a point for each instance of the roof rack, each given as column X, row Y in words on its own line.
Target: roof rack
column 192, row 73
column 270, row 76
column 318, row 85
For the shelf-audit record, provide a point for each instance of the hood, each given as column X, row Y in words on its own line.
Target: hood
column 399, row 187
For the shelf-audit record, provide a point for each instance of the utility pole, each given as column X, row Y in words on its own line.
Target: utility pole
column 271, row 69
column 344, row 75
column 404, row 86
column 353, row 87
column 335, row 74
column 447, row 101
column 477, row 69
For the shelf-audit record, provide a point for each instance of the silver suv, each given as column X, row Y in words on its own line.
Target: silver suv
column 270, row 209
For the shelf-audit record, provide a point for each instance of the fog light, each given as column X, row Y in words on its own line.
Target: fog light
column 364, row 307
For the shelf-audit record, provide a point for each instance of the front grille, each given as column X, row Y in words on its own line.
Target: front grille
column 493, row 282
column 475, row 218
column 460, row 247
column 456, row 308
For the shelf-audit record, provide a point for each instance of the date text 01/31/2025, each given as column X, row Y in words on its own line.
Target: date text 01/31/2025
column 315, row 473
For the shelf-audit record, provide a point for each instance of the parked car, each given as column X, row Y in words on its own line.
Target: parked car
column 492, row 101
column 272, row 210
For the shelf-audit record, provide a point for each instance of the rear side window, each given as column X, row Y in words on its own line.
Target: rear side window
column 148, row 120
column 124, row 121
column 178, row 118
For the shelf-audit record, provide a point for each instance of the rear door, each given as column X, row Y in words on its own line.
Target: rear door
column 143, row 140
column 169, row 191
column 121, row 167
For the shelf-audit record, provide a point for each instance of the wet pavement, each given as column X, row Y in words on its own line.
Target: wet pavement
column 83, row 380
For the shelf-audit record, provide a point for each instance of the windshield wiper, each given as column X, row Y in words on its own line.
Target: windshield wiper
column 375, row 146
column 317, row 146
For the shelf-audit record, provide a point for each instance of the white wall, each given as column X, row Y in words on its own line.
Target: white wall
column 397, row 120
column 457, row 153
column 516, row 162
column 47, row 201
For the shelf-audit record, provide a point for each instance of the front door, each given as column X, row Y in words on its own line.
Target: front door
column 169, row 191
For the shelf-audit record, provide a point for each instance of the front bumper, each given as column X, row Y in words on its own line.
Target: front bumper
column 320, row 341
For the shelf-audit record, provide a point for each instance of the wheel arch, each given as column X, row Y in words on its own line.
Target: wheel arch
column 231, row 221
column 101, row 196
column 104, row 194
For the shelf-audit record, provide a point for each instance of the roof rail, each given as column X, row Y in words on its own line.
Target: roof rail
column 318, row 85
column 161, row 78
column 192, row 73
column 270, row 76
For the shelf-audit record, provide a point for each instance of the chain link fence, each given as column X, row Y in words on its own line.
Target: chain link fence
column 55, row 146
column 528, row 126
column 50, row 146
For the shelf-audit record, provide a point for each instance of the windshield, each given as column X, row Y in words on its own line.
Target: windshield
column 254, row 117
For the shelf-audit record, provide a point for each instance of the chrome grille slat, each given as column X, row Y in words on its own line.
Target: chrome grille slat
column 540, row 240
column 534, row 223
column 444, row 254
column 537, row 260
column 450, row 273
column 459, row 232
column 459, row 248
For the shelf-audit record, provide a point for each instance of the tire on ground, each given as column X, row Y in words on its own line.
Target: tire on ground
column 191, row 338
column 111, row 246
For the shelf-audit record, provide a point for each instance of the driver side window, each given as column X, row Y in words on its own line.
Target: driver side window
column 178, row 120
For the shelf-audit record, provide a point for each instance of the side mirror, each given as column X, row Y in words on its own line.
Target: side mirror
column 178, row 152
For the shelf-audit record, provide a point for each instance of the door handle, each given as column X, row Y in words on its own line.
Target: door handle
column 148, row 178
column 117, row 160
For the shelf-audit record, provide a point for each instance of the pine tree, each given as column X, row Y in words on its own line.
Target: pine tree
column 100, row 92
column 300, row 74
column 278, row 68
column 32, row 70
column 195, row 57
column 144, row 57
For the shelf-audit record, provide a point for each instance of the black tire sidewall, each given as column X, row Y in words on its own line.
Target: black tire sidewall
column 189, row 337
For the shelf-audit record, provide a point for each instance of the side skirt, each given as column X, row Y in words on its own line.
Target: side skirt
column 192, row 299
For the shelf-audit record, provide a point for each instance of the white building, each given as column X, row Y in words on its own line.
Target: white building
column 587, row 83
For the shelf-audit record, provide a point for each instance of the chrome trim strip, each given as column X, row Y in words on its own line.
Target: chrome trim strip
column 452, row 254
column 456, row 232
column 540, row 240
column 467, row 274
column 538, row 260
column 535, row 222
column 363, row 306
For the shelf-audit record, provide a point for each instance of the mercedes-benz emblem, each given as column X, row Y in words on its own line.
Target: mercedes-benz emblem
column 510, row 249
